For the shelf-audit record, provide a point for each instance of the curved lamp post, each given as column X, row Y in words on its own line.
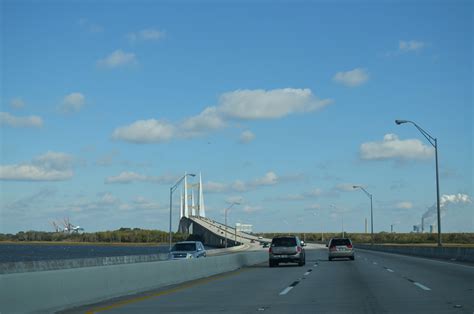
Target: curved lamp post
column 434, row 142
column 371, row 212
column 172, row 189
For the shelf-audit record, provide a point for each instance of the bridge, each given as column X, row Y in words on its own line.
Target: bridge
column 193, row 220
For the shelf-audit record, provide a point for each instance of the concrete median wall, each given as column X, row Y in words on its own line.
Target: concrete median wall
column 49, row 291
column 452, row 253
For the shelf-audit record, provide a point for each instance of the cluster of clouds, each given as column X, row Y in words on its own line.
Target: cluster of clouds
column 51, row 166
column 239, row 105
column 71, row 103
column 394, row 148
column 7, row 119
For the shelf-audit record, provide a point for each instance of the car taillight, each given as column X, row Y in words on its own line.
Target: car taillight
column 349, row 246
column 270, row 250
column 332, row 247
column 298, row 249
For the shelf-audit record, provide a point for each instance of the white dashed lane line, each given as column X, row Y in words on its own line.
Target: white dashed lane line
column 286, row 290
column 419, row 285
column 388, row 269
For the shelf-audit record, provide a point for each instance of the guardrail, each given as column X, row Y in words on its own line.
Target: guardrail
column 53, row 290
column 452, row 253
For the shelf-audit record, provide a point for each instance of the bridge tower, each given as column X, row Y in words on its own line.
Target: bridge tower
column 188, row 205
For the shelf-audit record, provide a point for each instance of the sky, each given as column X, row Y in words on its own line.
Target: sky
column 282, row 107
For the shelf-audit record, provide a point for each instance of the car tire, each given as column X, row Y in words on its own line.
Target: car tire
column 329, row 259
column 271, row 264
column 352, row 258
column 301, row 262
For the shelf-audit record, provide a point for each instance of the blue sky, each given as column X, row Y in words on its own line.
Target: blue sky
column 281, row 106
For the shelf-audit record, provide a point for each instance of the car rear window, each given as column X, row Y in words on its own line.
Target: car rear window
column 340, row 242
column 184, row 247
column 284, row 242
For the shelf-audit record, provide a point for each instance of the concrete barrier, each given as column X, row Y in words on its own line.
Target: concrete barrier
column 49, row 291
column 452, row 253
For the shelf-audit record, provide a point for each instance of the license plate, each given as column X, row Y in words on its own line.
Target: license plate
column 283, row 256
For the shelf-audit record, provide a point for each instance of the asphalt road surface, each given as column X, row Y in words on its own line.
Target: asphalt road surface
column 374, row 283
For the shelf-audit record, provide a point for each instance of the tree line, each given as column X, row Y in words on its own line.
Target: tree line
column 122, row 235
column 385, row 237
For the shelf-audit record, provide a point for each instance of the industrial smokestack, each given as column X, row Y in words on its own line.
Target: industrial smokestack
column 422, row 224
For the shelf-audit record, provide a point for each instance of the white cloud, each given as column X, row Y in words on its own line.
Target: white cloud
column 272, row 104
column 51, row 166
column 246, row 137
column 240, row 104
column 393, row 148
column 207, row 120
column 346, row 187
column 126, row 177
column 270, row 178
column 147, row 34
column 410, row 46
column 404, row 205
column 146, row 131
column 118, row 58
column 17, row 103
column 352, row 78
column 7, row 119
column 73, row 103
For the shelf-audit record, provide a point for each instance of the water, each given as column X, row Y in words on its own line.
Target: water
column 42, row 252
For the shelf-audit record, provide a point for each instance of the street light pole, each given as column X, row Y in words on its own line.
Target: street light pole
column 172, row 189
column 434, row 142
column 233, row 203
column 371, row 212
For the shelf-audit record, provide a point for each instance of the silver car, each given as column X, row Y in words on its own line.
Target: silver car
column 287, row 249
column 187, row 250
column 340, row 248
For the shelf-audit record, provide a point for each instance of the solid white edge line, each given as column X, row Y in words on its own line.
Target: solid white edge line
column 419, row 285
column 418, row 257
column 286, row 290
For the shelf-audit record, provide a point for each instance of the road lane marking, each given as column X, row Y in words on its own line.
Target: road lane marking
column 375, row 263
column 315, row 265
column 307, row 273
column 389, row 270
column 419, row 285
column 181, row 287
column 417, row 257
column 286, row 290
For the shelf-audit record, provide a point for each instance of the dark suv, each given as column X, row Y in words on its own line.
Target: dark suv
column 286, row 249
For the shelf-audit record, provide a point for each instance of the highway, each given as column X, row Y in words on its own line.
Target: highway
column 374, row 283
